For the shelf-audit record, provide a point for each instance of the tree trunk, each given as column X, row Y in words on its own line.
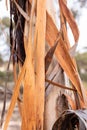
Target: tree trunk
column 53, row 92
column 43, row 99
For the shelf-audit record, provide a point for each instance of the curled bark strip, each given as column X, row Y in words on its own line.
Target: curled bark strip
column 70, row 19
column 71, row 119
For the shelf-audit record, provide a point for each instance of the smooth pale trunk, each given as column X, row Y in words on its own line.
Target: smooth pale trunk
column 52, row 92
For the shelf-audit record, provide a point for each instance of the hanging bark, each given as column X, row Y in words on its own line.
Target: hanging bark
column 42, row 106
column 64, row 57
column 40, row 64
column 29, row 101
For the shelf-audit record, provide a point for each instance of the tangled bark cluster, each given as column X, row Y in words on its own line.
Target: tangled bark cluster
column 31, row 27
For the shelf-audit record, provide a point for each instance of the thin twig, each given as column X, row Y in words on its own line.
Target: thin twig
column 24, row 14
column 4, row 102
column 6, row 3
column 59, row 85
column 21, row 60
column 49, row 83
